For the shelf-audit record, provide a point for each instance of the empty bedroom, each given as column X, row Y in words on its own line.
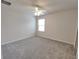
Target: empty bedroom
column 39, row 29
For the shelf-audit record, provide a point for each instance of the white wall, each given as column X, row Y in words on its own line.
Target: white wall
column 16, row 24
column 61, row 26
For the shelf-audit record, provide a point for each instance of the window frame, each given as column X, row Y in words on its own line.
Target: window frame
column 41, row 25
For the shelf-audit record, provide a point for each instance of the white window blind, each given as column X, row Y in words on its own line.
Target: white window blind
column 41, row 25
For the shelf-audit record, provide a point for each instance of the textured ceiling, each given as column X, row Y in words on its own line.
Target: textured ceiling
column 49, row 5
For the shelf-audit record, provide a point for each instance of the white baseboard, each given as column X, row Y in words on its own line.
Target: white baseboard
column 28, row 36
column 52, row 38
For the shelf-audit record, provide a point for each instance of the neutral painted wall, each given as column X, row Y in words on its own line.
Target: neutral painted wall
column 60, row 26
column 16, row 24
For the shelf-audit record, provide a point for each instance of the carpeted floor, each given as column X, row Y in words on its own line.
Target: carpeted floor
column 37, row 48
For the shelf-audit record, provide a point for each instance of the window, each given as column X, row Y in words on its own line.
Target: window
column 41, row 25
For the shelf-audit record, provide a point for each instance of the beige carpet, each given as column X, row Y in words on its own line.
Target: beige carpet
column 37, row 48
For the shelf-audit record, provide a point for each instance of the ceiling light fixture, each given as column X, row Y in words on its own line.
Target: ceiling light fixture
column 39, row 12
